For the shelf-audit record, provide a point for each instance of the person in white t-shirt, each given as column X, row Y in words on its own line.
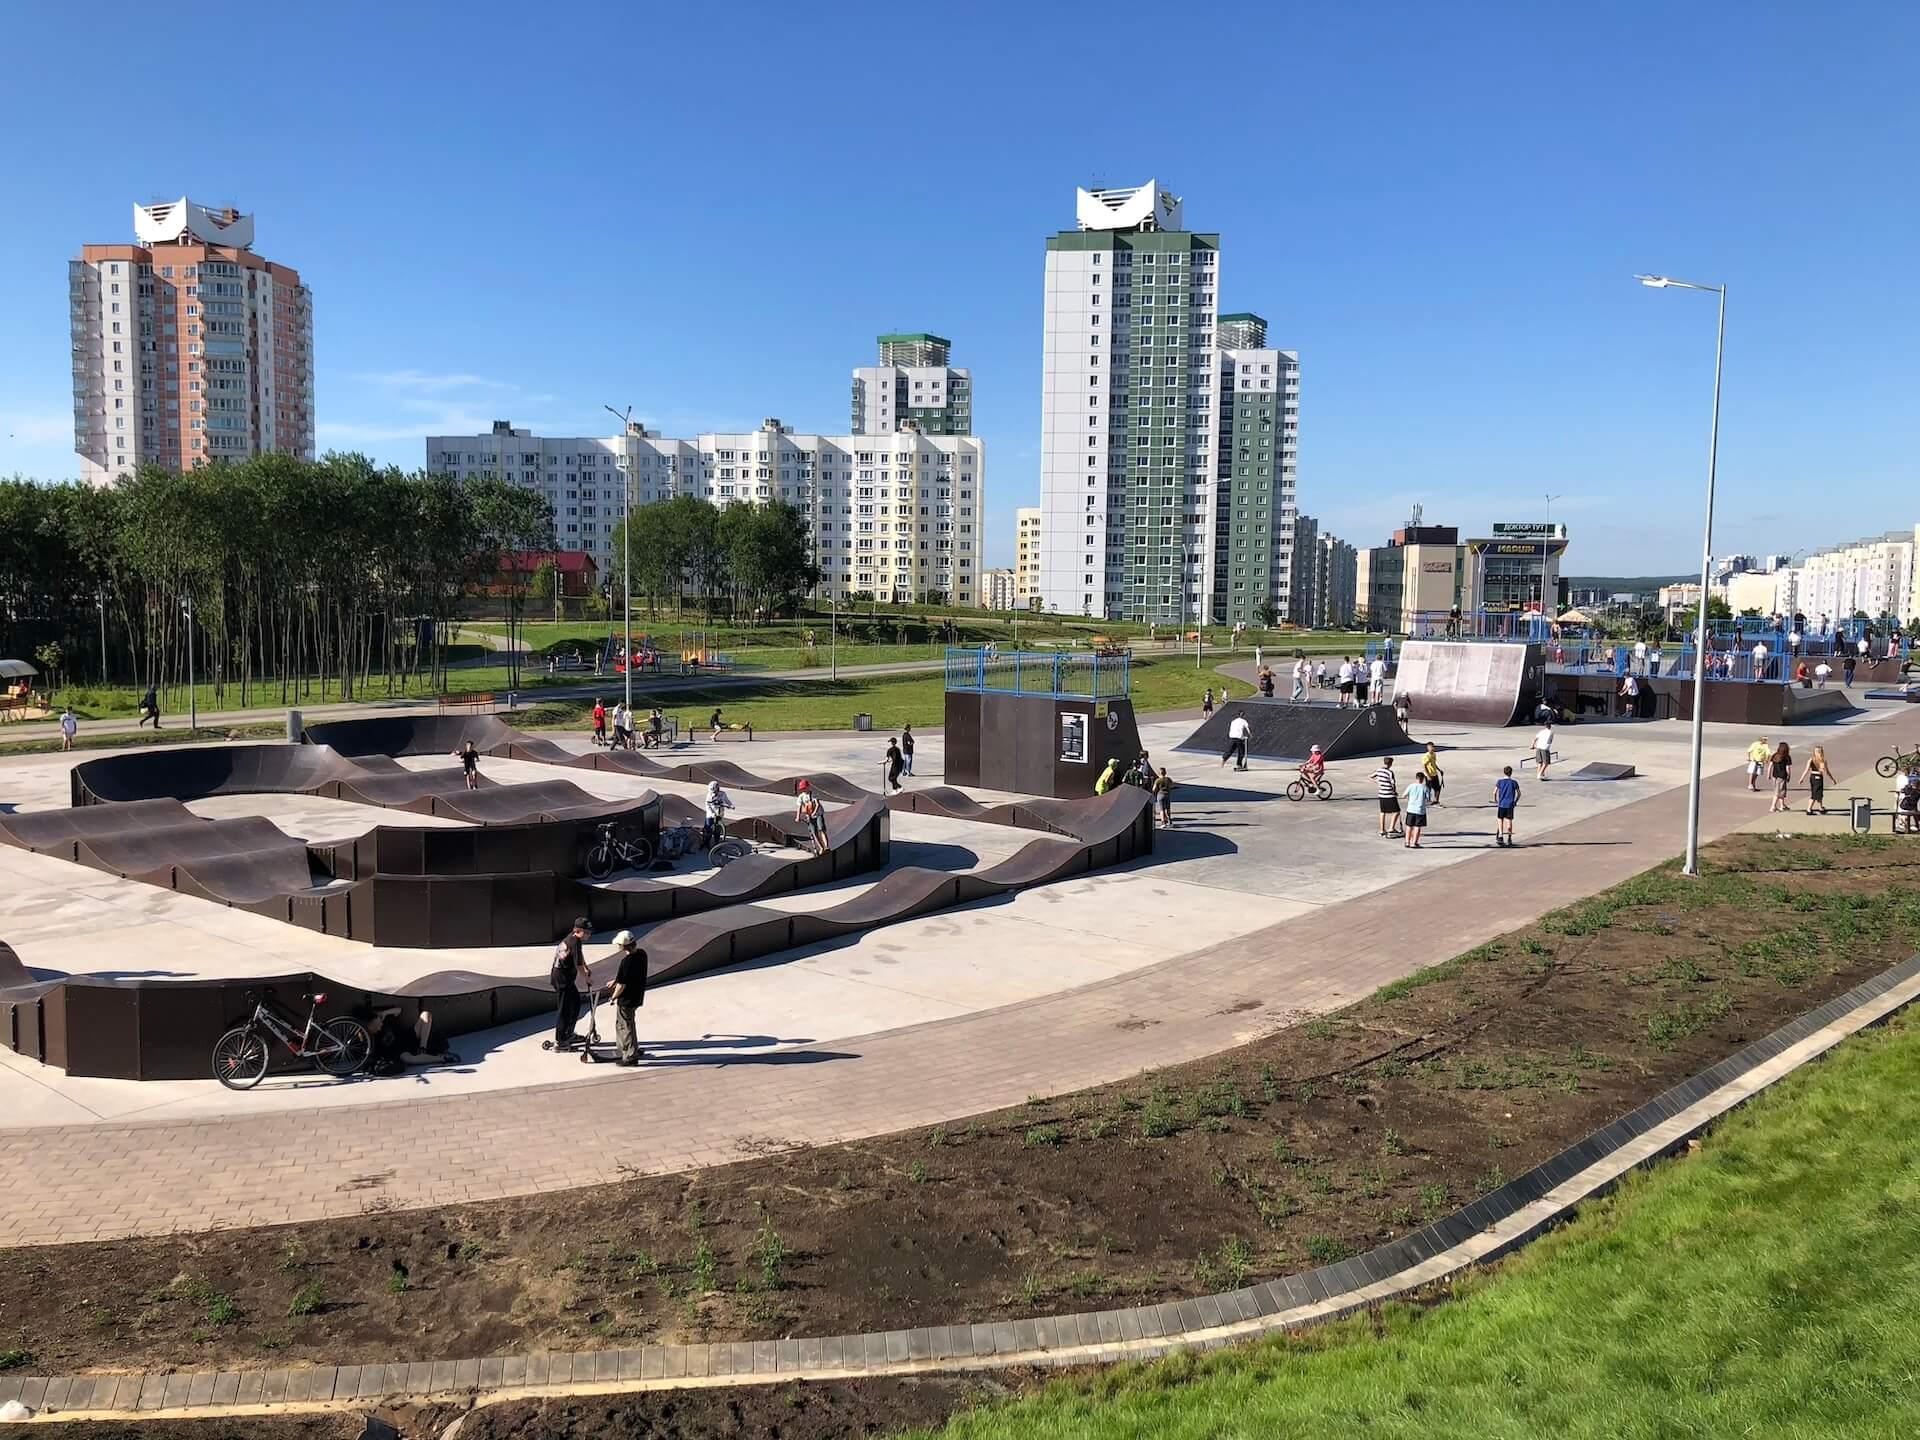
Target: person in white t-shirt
column 1759, row 659
column 1377, row 673
column 1346, row 683
column 1640, row 655
column 1822, row 673
column 1543, row 750
column 1299, row 678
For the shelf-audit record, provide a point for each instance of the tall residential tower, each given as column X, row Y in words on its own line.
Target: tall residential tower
column 1255, row 509
column 913, row 381
column 1127, row 413
column 187, row 347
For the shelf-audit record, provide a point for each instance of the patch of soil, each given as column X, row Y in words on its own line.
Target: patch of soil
column 1304, row 1146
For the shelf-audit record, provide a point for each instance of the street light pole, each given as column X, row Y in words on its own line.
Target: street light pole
column 1546, row 541
column 626, row 548
column 193, row 694
column 1663, row 282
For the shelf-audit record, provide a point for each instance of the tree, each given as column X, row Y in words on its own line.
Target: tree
column 1266, row 614
column 1718, row 608
column 512, row 521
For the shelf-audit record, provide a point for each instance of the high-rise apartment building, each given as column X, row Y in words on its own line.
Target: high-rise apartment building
column 913, row 381
column 998, row 590
column 1255, row 508
column 187, row 346
column 1127, row 412
column 1335, row 583
column 896, row 516
column 1026, row 554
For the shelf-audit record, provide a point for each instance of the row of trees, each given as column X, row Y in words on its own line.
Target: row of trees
column 293, row 573
column 288, row 571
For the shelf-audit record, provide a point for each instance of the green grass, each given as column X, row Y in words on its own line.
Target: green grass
column 1769, row 1285
column 892, row 700
column 179, row 735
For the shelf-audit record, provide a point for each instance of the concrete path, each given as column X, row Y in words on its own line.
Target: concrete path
column 80, row 1183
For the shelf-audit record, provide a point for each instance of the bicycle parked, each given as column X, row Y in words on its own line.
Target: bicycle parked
column 339, row 1047
column 677, row 841
column 613, row 851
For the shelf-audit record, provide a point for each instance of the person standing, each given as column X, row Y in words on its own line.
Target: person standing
column 1543, row 750
column 1431, row 772
column 1346, row 681
column 1418, row 796
column 1653, row 658
column 1387, row 787
column 906, row 746
column 1640, row 656
column 1362, row 679
column 149, row 708
column 623, row 726
column 1299, row 678
column 1822, row 673
column 69, row 727
column 1206, row 704
column 629, row 993
column 1402, row 707
column 1906, row 802
column 1846, row 668
column 1239, row 733
column 1758, row 753
column 599, row 722
column 896, row 762
column 1377, row 680
column 1163, row 799
column 807, row 807
column 1780, row 766
column 1506, row 797
column 1630, row 695
column 1109, row 777
column 569, row 971
column 1759, row 660
column 1817, row 775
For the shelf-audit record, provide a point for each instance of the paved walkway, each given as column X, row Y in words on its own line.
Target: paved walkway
column 101, row 1181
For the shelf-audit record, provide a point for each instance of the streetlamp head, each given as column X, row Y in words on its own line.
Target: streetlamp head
column 1654, row 282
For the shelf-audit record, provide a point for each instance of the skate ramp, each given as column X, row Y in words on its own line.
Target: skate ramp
column 1470, row 682
column 1284, row 730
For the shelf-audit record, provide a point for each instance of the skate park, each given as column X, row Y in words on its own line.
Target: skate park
column 1241, row 862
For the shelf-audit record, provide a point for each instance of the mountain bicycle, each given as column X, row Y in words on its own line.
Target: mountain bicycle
column 1888, row 766
column 612, row 851
column 339, row 1047
column 722, row 848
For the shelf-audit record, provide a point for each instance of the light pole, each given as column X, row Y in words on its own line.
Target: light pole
column 193, row 696
column 626, row 548
column 1546, row 518
column 833, row 631
column 1666, row 282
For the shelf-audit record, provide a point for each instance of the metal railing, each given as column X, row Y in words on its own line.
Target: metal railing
column 1059, row 674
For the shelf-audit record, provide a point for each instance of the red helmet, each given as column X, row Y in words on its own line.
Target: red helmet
column 804, row 785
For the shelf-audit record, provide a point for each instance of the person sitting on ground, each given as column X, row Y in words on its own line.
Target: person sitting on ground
column 397, row 1044
column 807, row 807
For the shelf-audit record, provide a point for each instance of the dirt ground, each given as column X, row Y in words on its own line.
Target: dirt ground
column 1302, row 1147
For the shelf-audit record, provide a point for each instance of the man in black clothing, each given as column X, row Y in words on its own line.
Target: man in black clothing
column 569, row 970
column 629, row 994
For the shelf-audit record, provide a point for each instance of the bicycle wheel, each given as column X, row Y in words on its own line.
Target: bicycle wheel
column 639, row 853
column 1297, row 791
column 1885, row 767
column 725, row 852
column 600, row 861
column 239, row 1058
column 1326, row 790
column 350, row 1048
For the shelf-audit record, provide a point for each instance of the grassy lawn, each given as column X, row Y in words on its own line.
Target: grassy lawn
column 175, row 735
column 892, row 700
column 1769, row 1286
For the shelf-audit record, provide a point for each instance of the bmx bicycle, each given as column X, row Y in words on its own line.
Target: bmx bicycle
column 1300, row 789
column 1888, row 766
column 339, row 1047
column 677, row 841
column 613, row 851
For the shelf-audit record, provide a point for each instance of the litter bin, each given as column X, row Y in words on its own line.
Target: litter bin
column 296, row 722
column 1861, row 816
column 863, row 722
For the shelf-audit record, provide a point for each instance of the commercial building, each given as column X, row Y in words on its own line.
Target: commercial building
column 1414, row 583
column 1128, row 419
column 1000, row 590
column 913, row 381
column 187, row 346
column 1026, row 567
column 896, row 516
column 1515, row 571
column 1254, row 501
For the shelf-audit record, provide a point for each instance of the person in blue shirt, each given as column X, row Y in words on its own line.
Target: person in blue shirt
column 1506, row 795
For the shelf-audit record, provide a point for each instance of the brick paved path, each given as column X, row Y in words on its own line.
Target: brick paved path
column 100, row 1181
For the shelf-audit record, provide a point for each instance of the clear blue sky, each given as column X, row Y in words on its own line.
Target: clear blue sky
column 709, row 211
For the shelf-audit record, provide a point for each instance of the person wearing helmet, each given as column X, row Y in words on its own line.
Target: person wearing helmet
column 807, row 807
column 1315, row 768
column 717, row 805
column 629, row 993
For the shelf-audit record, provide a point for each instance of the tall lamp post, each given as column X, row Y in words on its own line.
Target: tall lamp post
column 193, row 693
column 1546, row 542
column 1667, row 282
column 626, row 548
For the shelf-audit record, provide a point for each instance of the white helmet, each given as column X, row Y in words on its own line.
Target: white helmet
column 624, row 940
column 713, row 787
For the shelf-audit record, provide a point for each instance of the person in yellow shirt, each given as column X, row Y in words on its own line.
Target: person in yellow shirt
column 1758, row 754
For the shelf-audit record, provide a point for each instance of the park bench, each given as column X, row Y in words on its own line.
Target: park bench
column 470, row 704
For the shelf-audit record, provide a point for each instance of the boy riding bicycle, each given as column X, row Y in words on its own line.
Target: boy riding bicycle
column 717, row 805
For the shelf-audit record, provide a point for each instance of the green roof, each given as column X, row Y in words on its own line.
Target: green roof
column 1245, row 315
column 911, row 339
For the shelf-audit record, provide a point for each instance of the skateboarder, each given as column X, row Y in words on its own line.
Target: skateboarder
column 599, row 722
column 1239, row 732
column 1543, row 749
column 1299, row 678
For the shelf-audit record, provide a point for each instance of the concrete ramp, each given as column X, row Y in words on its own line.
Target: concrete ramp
column 1283, row 730
column 1470, row 682
column 1602, row 770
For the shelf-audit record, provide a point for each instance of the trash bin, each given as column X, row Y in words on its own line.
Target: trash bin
column 296, row 722
column 863, row 722
column 1861, row 816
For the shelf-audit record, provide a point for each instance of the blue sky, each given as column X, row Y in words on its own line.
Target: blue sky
column 708, row 212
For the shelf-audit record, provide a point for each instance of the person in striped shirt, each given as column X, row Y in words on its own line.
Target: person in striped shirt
column 1388, row 789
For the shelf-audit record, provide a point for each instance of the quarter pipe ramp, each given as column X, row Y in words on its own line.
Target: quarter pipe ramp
column 1470, row 682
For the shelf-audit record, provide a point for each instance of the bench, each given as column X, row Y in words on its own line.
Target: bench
column 732, row 731
column 472, row 704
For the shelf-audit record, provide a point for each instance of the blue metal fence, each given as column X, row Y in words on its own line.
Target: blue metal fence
column 1059, row 674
